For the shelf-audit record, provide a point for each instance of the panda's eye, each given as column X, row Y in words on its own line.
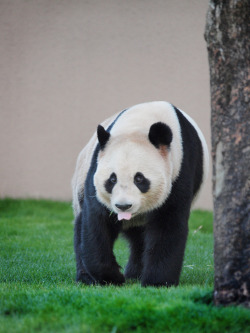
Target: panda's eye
column 141, row 182
column 110, row 183
column 113, row 178
column 139, row 178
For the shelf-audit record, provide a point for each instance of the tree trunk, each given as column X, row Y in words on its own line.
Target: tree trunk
column 228, row 39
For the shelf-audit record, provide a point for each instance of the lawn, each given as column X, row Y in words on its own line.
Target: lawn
column 38, row 292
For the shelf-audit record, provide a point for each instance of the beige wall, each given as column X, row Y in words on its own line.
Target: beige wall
column 67, row 65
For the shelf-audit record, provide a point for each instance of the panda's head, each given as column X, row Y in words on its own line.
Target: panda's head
column 134, row 171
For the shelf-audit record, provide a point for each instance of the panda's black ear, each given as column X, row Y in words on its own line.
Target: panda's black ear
column 160, row 134
column 103, row 136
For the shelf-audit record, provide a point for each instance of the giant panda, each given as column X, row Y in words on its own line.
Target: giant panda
column 138, row 176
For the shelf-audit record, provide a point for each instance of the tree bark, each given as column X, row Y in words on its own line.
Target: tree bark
column 228, row 38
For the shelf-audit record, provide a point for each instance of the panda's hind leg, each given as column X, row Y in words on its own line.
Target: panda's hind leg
column 135, row 236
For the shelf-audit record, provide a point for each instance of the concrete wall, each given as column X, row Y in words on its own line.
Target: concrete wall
column 67, row 65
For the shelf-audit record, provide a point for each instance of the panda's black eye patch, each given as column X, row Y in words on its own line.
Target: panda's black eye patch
column 141, row 182
column 110, row 183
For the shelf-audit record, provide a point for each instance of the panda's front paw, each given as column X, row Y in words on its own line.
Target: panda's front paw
column 155, row 283
column 116, row 278
column 84, row 278
column 158, row 280
column 133, row 272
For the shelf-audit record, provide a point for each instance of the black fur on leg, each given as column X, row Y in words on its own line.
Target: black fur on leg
column 135, row 236
column 165, row 241
column 85, row 278
column 98, row 234
column 81, row 275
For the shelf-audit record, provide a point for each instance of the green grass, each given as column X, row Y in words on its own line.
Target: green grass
column 38, row 292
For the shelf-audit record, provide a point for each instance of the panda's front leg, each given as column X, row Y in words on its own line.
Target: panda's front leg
column 81, row 274
column 97, row 240
column 165, row 241
column 135, row 236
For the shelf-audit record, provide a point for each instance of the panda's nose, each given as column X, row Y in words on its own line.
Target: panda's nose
column 123, row 207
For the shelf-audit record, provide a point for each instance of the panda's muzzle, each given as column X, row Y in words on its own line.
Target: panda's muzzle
column 123, row 207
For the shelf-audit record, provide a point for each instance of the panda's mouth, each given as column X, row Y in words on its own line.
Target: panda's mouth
column 124, row 216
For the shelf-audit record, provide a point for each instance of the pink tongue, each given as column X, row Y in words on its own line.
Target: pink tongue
column 124, row 216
